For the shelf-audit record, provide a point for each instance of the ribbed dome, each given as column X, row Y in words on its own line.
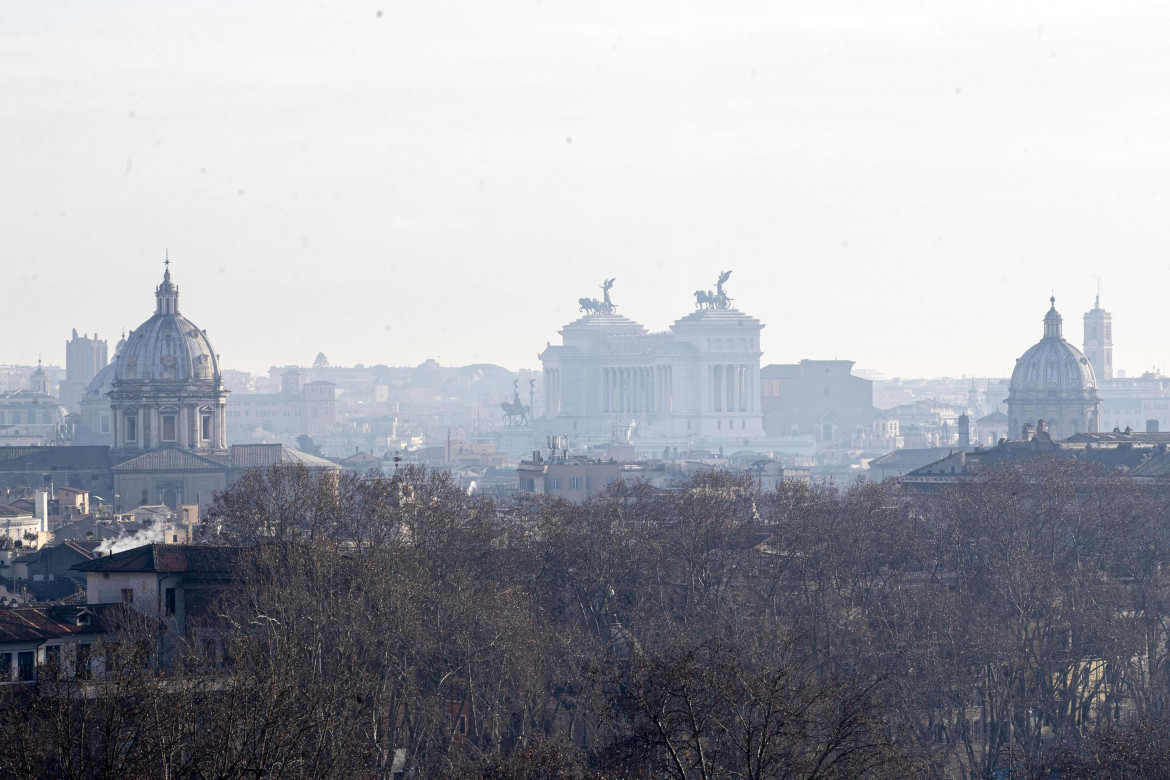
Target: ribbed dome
column 168, row 347
column 1053, row 365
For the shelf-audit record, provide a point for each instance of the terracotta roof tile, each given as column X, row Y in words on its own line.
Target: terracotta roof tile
column 170, row 459
column 32, row 624
column 264, row 456
column 48, row 458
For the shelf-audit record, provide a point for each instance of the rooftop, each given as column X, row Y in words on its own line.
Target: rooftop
column 263, row 456
column 36, row 624
column 170, row 459
column 166, row 558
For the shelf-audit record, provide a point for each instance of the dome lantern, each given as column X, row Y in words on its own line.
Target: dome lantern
column 1053, row 322
column 167, row 294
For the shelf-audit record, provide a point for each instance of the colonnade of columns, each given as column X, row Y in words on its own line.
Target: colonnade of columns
column 552, row 391
column 638, row 390
column 731, row 388
column 145, row 427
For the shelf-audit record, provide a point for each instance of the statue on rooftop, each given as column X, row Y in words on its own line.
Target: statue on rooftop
column 604, row 306
column 714, row 300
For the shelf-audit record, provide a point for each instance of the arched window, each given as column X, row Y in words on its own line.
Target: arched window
column 828, row 428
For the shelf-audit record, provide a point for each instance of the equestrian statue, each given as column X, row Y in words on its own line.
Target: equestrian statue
column 515, row 411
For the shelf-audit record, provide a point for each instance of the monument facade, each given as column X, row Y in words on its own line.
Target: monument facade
column 696, row 385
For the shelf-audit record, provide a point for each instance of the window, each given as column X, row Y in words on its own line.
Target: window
column 127, row 595
column 170, row 600
column 53, row 657
column 5, row 667
column 131, row 428
column 26, row 665
column 83, row 660
column 104, row 425
column 169, row 428
column 574, row 483
column 554, row 483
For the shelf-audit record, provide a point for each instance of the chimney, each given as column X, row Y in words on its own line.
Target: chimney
column 964, row 432
column 1041, row 426
column 1027, row 431
column 1152, row 426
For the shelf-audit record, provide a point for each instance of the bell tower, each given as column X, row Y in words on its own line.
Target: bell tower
column 1099, row 340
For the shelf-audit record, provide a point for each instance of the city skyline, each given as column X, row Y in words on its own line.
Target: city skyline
column 903, row 188
column 860, row 369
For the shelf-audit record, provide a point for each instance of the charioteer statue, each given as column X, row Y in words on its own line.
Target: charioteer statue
column 714, row 300
column 604, row 306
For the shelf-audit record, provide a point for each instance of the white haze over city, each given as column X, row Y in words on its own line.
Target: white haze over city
column 902, row 184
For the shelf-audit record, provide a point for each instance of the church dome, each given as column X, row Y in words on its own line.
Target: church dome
column 1053, row 366
column 167, row 347
column 1053, row 388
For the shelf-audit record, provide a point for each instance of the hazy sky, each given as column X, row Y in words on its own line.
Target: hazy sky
column 900, row 184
